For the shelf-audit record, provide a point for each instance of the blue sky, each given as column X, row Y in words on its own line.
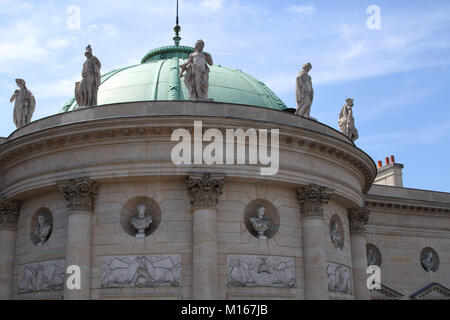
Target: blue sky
column 399, row 75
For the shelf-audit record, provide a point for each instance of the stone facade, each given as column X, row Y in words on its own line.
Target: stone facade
column 85, row 167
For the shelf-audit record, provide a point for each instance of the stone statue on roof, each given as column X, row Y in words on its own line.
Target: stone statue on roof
column 347, row 122
column 24, row 105
column 304, row 91
column 86, row 91
column 197, row 73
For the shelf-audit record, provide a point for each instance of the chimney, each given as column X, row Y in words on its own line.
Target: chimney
column 390, row 174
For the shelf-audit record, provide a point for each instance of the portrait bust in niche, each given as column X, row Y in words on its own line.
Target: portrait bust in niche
column 429, row 260
column 260, row 222
column 141, row 221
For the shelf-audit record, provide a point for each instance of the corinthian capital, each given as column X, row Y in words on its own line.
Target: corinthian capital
column 205, row 190
column 9, row 213
column 312, row 198
column 358, row 219
column 80, row 194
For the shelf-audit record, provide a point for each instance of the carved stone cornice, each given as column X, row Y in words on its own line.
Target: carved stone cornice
column 80, row 194
column 9, row 213
column 385, row 293
column 101, row 127
column 205, row 190
column 408, row 205
column 433, row 291
column 358, row 218
column 312, row 198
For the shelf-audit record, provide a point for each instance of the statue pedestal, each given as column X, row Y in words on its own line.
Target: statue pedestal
column 140, row 235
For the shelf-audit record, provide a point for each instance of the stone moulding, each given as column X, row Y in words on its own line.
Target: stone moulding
column 145, row 271
column 433, row 291
column 385, row 293
column 261, row 271
column 151, row 122
column 42, row 277
column 405, row 205
column 89, row 135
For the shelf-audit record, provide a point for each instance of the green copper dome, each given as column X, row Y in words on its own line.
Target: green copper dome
column 157, row 78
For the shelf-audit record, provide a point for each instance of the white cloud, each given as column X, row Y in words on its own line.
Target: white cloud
column 400, row 101
column 267, row 43
column 302, row 9
column 354, row 52
column 20, row 43
column 435, row 133
column 110, row 31
column 212, row 5
column 63, row 88
column 57, row 44
column 11, row 7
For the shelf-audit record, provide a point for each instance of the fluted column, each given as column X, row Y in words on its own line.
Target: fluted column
column 9, row 216
column 205, row 192
column 312, row 200
column 358, row 219
column 80, row 195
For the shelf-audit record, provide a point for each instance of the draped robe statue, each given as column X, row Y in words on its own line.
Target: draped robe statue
column 347, row 122
column 197, row 73
column 335, row 235
column 86, row 91
column 43, row 230
column 24, row 105
column 304, row 91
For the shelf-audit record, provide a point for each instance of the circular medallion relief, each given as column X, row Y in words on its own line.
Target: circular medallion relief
column 429, row 260
column 140, row 217
column 262, row 219
column 373, row 255
column 337, row 232
column 41, row 227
